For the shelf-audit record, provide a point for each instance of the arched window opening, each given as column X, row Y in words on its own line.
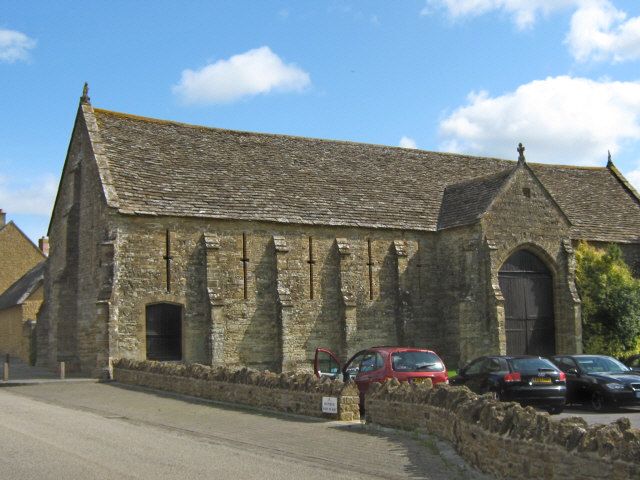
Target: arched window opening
column 164, row 332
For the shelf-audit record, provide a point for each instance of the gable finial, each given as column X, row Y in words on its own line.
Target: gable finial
column 609, row 161
column 85, row 94
column 520, row 149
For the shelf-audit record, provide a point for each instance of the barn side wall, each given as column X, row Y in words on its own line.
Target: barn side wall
column 359, row 299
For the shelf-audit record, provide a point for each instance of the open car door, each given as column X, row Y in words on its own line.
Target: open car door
column 326, row 364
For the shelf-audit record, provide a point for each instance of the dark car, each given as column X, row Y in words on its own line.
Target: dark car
column 527, row 380
column 599, row 381
column 377, row 364
column 633, row 362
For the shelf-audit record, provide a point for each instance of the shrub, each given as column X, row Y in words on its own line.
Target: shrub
column 610, row 301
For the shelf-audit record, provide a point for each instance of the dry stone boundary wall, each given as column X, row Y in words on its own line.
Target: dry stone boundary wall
column 500, row 438
column 505, row 439
column 300, row 393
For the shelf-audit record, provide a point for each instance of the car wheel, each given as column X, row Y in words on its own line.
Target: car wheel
column 495, row 395
column 597, row 401
column 555, row 410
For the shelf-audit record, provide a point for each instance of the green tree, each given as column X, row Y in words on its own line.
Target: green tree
column 610, row 301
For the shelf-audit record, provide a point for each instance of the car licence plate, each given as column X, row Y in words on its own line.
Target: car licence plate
column 424, row 380
column 541, row 380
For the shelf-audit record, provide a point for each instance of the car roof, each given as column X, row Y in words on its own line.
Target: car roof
column 512, row 357
column 581, row 355
column 391, row 349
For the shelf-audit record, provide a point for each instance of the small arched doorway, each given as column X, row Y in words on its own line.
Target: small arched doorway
column 164, row 331
column 527, row 287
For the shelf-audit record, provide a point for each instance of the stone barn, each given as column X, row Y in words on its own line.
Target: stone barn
column 185, row 243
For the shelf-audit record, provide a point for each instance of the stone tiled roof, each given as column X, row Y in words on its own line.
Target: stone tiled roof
column 17, row 293
column 465, row 202
column 153, row 167
column 596, row 202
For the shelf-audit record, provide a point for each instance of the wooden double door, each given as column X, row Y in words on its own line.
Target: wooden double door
column 527, row 287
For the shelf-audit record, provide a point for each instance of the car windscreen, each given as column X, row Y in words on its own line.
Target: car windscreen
column 416, row 361
column 601, row 365
column 531, row 364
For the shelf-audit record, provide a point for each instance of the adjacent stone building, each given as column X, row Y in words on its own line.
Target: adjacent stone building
column 18, row 254
column 19, row 300
column 19, row 307
column 179, row 242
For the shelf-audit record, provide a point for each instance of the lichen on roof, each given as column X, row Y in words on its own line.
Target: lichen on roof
column 174, row 169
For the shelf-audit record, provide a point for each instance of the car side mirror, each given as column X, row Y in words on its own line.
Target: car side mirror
column 573, row 371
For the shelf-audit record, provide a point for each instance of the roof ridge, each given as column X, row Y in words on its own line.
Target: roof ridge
column 483, row 178
column 287, row 135
column 625, row 183
column 11, row 222
column 169, row 168
column 568, row 167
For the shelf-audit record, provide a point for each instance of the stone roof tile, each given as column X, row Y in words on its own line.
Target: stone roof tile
column 167, row 168
column 19, row 292
column 465, row 202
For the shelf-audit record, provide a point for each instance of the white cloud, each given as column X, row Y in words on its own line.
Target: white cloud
column 407, row 142
column 36, row 198
column 14, row 46
column 258, row 71
column 599, row 31
column 524, row 12
column 559, row 120
column 634, row 178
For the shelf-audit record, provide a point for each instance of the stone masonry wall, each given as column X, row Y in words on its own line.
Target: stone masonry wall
column 525, row 216
column 94, row 232
column 505, row 439
column 17, row 256
column 69, row 326
column 301, row 394
column 57, row 321
column 461, row 322
column 15, row 335
column 278, row 326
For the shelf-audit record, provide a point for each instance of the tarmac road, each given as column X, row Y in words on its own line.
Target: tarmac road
column 606, row 417
column 105, row 431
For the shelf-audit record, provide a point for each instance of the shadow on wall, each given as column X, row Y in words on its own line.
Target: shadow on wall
column 327, row 329
column 259, row 346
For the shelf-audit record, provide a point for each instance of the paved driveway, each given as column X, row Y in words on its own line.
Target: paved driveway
column 605, row 417
column 92, row 430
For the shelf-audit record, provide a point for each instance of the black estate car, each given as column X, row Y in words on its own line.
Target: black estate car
column 599, row 381
column 528, row 380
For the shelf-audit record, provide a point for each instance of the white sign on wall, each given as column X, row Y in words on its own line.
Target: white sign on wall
column 329, row 404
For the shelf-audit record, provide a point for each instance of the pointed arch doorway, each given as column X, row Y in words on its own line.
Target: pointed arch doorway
column 527, row 287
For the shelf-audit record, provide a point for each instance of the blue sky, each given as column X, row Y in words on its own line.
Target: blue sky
column 472, row 76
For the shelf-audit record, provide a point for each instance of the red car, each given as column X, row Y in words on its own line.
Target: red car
column 377, row 364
